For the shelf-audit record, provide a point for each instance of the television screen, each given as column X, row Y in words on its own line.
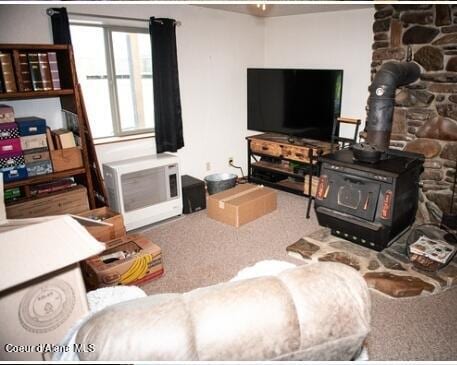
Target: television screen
column 297, row 102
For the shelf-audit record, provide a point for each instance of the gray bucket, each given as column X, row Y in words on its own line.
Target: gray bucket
column 216, row 183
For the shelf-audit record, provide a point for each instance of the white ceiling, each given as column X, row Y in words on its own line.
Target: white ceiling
column 273, row 10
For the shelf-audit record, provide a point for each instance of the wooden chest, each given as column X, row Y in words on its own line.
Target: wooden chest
column 66, row 159
column 105, row 233
column 70, row 201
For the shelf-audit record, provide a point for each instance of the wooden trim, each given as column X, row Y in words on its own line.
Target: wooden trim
column 31, row 46
column 35, row 94
column 348, row 120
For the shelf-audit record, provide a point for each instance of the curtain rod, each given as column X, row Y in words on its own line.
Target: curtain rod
column 51, row 12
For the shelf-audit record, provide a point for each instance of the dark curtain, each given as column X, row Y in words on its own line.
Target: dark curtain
column 167, row 102
column 60, row 25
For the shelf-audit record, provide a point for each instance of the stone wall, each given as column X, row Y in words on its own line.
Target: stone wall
column 425, row 118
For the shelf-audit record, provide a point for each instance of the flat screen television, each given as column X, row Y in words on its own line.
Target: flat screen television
column 297, row 102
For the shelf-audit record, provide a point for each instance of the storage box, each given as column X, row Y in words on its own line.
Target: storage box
column 66, row 159
column 241, row 204
column 15, row 173
column 29, row 126
column 6, row 114
column 129, row 260
column 12, row 161
column 37, row 154
column 8, row 131
column 10, row 147
column 42, row 293
column 39, row 168
column 36, row 141
column 114, row 227
column 71, row 201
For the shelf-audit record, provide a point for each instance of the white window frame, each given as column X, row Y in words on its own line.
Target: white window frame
column 111, row 75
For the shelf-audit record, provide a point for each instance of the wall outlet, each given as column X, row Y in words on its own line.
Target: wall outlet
column 230, row 160
column 208, row 166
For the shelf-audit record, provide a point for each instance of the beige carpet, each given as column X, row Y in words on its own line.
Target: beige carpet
column 199, row 251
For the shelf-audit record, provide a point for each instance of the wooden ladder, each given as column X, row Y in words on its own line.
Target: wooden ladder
column 98, row 185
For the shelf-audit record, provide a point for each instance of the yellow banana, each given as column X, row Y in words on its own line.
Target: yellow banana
column 136, row 274
column 131, row 270
column 145, row 268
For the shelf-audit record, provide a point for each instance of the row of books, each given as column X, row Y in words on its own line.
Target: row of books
column 34, row 72
column 13, row 194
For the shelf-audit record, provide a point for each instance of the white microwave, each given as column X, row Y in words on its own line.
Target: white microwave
column 145, row 189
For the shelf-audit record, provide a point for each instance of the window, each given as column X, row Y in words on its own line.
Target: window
column 115, row 71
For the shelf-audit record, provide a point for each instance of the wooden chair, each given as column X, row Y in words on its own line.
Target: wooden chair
column 343, row 142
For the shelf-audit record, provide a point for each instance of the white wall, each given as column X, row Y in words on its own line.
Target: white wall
column 339, row 40
column 214, row 49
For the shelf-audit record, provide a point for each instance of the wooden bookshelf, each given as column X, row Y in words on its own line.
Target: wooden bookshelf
column 70, row 100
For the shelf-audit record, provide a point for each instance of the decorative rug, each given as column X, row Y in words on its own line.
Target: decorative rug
column 389, row 272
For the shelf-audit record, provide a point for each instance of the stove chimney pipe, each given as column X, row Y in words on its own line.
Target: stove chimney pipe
column 381, row 108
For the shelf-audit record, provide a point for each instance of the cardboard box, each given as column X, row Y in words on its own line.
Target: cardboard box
column 70, row 201
column 42, row 293
column 66, row 159
column 241, row 204
column 112, row 227
column 129, row 260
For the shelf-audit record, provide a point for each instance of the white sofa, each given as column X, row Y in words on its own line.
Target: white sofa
column 313, row 312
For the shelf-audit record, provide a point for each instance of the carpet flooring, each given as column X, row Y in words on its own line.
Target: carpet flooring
column 198, row 251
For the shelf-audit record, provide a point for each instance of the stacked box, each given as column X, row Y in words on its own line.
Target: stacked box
column 12, row 164
column 6, row 114
column 32, row 131
column 8, row 131
column 30, row 126
column 13, row 168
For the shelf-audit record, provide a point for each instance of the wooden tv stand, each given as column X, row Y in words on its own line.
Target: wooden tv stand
column 291, row 165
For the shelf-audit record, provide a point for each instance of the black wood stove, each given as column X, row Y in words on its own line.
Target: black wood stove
column 368, row 203
column 369, row 194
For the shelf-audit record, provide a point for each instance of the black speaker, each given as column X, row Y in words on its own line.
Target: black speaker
column 193, row 194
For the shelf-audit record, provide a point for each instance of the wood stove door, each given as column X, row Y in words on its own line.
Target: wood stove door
column 355, row 195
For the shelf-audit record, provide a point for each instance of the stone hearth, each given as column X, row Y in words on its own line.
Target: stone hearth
column 425, row 118
column 389, row 271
